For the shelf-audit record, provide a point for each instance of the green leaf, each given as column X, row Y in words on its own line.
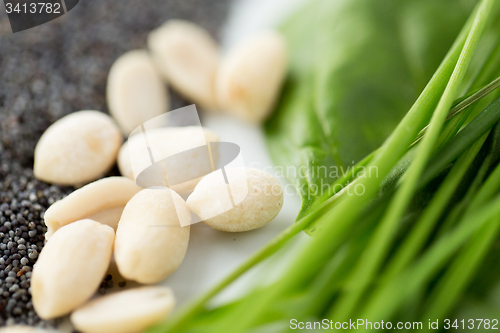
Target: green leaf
column 356, row 68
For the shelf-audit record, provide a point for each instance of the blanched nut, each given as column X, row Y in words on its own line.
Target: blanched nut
column 135, row 91
column 251, row 75
column 102, row 201
column 261, row 205
column 70, row 267
column 150, row 242
column 77, row 148
column 168, row 141
column 127, row 311
column 188, row 57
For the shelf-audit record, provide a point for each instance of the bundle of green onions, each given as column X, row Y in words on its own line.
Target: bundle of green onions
column 414, row 244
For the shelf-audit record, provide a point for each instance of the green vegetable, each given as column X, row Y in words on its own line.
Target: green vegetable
column 356, row 68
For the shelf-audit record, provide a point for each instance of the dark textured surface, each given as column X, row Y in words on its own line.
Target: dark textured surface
column 45, row 73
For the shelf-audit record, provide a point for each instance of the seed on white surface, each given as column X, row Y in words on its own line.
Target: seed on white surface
column 150, row 242
column 165, row 142
column 135, row 91
column 127, row 311
column 250, row 77
column 254, row 210
column 70, row 267
column 188, row 57
column 102, row 201
column 77, row 148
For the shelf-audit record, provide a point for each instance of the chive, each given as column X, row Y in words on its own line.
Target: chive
column 391, row 294
column 472, row 132
column 378, row 248
column 416, row 239
column 456, row 278
column 463, row 103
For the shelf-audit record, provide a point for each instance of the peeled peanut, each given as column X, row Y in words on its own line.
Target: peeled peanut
column 102, row 201
column 70, row 268
column 188, row 57
column 250, row 77
column 127, row 311
column 77, row 148
column 135, row 92
column 168, row 141
column 258, row 200
column 150, row 242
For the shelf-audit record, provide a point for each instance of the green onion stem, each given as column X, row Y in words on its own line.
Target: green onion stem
column 376, row 251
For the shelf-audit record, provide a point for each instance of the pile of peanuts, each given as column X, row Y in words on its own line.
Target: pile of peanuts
column 112, row 219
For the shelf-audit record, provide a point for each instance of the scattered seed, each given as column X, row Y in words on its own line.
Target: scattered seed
column 107, row 195
column 77, row 149
column 149, row 247
column 250, row 77
column 79, row 252
column 263, row 202
column 135, row 91
column 193, row 76
column 127, row 311
column 185, row 138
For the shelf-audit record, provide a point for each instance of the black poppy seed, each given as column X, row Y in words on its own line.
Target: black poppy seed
column 32, row 254
column 14, row 288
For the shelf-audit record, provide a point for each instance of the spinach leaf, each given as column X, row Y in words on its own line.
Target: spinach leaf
column 356, row 66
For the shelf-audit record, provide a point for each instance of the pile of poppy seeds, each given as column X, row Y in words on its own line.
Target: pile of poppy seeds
column 48, row 72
